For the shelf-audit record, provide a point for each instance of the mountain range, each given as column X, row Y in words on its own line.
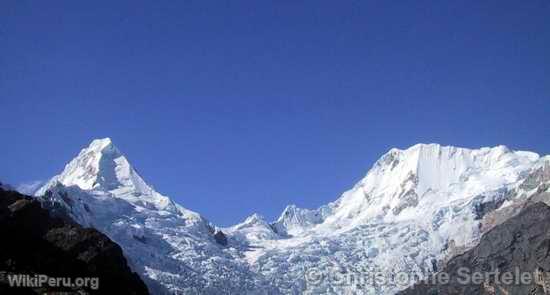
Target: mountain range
column 413, row 211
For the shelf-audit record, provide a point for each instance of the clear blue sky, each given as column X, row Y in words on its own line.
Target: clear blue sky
column 235, row 107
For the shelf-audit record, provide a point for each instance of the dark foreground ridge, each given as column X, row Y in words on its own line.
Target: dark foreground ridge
column 34, row 243
column 520, row 245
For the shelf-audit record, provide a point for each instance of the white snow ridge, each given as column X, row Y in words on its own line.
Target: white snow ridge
column 412, row 211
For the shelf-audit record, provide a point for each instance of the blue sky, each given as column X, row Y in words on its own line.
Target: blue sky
column 235, row 107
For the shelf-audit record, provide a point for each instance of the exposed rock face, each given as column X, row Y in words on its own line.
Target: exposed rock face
column 519, row 245
column 220, row 238
column 35, row 243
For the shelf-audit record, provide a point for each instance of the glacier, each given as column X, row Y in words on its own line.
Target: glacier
column 414, row 209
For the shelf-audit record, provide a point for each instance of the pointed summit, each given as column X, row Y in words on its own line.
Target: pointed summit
column 102, row 168
column 295, row 220
column 100, row 165
column 255, row 219
column 101, row 143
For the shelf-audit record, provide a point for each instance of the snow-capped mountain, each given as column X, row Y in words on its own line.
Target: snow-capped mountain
column 101, row 167
column 175, row 250
column 414, row 209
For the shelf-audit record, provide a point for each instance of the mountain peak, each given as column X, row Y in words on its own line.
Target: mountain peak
column 101, row 167
column 423, row 154
column 255, row 218
column 101, row 143
column 425, row 174
column 295, row 220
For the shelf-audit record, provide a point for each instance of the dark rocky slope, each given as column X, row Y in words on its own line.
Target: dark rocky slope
column 519, row 245
column 34, row 243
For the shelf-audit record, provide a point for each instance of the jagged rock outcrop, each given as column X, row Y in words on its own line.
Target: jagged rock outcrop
column 35, row 243
column 220, row 238
column 520, row 245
